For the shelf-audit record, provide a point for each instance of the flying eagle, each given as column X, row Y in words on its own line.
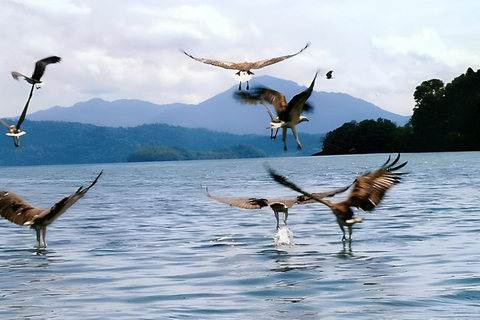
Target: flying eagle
column 289, row 114
column 244, row 67
column 277, row 205
column 17, row 210
column 367, row 192
column 40, row 66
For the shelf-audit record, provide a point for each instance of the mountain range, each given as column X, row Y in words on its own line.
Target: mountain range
column 222, row 112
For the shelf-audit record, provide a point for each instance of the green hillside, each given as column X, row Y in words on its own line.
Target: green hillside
column 51, row 142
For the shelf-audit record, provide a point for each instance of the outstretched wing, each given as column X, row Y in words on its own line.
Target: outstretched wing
column 24, row 112
column 262, row 94
column 297, row 104
column 41, row 64
column 320, row 195
column 267, row 62
column 252, row 203
column 5, row 124
column 370, row 188
column 218, row 63
column 60, row 207
column 16, row 75
column 283, row 181
column 15, row 209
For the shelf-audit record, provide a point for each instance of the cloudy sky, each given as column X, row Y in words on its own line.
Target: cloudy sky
column 379, row 50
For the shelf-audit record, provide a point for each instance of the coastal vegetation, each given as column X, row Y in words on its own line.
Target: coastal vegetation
column 445, row 118
column 57, row 142
column 162, row 153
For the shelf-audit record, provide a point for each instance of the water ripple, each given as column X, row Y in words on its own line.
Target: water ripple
column 146, row 243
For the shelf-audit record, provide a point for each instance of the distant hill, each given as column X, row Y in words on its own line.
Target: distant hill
column 221, row 112
column 54, row 142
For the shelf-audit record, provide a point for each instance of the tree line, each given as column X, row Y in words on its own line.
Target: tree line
column 162, row 153
column 445, row 118
column 57, row 142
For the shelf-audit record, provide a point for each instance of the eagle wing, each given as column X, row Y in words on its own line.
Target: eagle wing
column 40, row 66
column 370, row 188
column 218, row 63
column 267, row 62
column 16, row 75
column 320, row 195
column 262, row 94
column 60, row 207
column 5, row 124
column 24, row 112
column 15, row 209
column 252, row 203
column 298, row 103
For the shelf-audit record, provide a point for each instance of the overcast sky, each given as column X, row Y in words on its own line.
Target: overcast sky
column 379, row 50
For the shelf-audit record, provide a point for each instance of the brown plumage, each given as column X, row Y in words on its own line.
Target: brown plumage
column 243, row 67
column 366, row 194
column 277, row 205
column 288, row 114
column 40, row 66
column 15, row 209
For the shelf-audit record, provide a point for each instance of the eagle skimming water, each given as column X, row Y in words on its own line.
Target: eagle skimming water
column 368, row 190
column 15, row 209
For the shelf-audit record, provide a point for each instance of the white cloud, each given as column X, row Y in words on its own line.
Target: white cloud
column 428, row 43
column 56, row 5
column 380, row 51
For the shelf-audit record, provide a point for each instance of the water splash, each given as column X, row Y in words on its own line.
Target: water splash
column 284, row 237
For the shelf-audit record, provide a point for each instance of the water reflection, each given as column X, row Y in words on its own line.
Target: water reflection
column 346, row 251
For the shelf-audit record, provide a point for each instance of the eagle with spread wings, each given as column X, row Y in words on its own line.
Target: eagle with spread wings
column 17, row 210
column 368, row 191
column 244, row 68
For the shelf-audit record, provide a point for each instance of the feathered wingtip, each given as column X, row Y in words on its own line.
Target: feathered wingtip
column 51, row 59
column 307, row 108
column 281, row 179
column 183, row 51
column 390, row 166
column 310, row 89
column 83, row 191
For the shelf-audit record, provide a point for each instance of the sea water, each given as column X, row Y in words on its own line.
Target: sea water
column 147, row 243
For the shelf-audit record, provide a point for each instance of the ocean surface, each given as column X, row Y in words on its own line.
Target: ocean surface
column 147, row 243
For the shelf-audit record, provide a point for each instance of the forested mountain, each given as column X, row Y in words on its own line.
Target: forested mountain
column 222, row 112
column 53, row 142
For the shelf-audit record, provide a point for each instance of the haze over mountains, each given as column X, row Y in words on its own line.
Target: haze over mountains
column 222, row 112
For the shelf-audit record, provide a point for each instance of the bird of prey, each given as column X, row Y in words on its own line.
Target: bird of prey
column 39, row 70
column 14, row 130
column 19, row 211
column 244, row 68
column 277, row 205
column 289, row 114
column 329, row 74
column 367, row 192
